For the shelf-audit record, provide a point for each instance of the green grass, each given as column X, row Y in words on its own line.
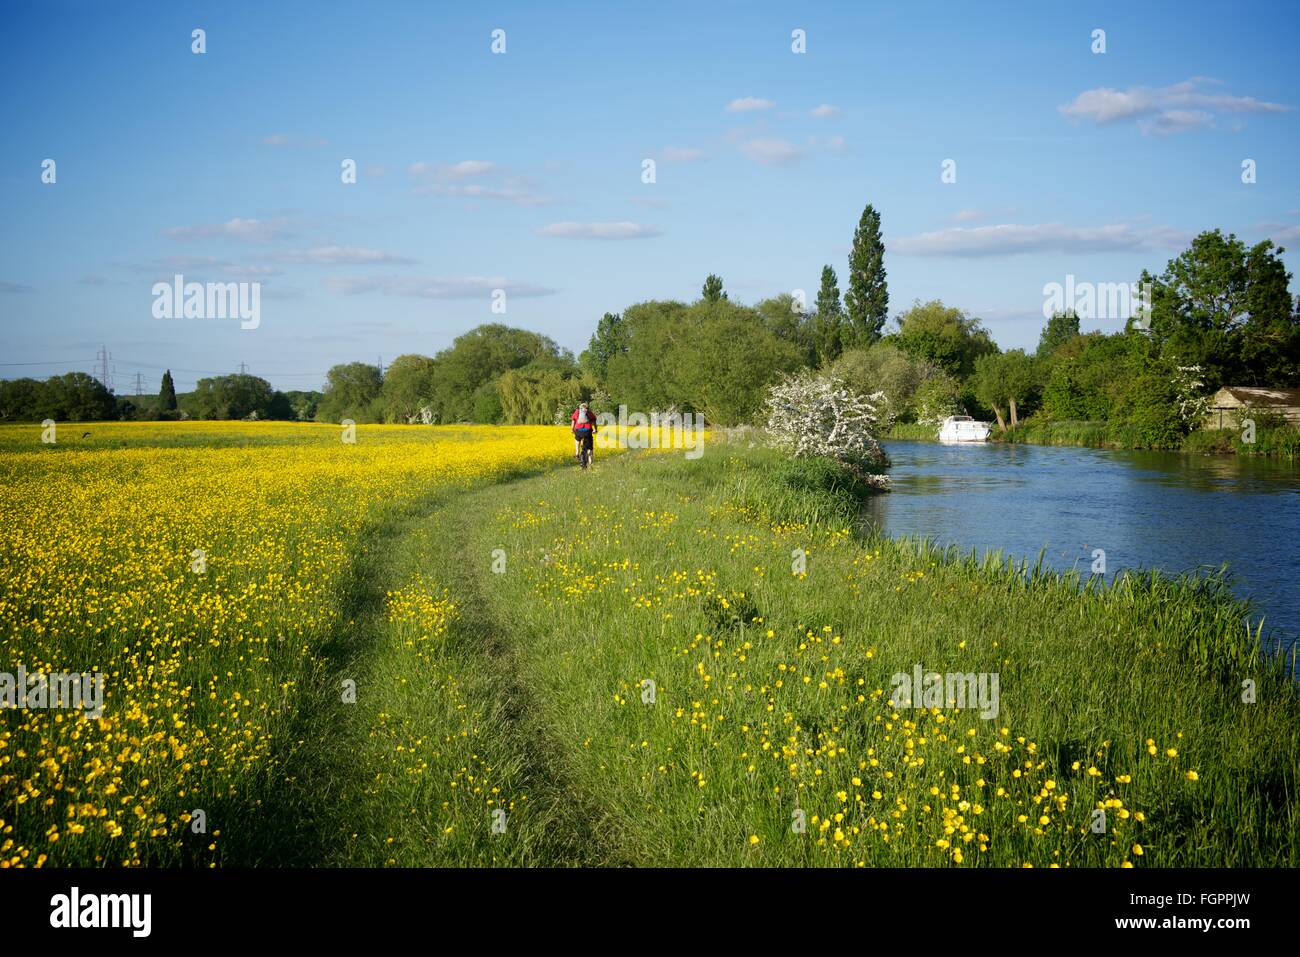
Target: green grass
column 673, row 662
column 913, row 430
column 680, row 573
column 437, row 740
column 1095, row 435
column 1279, row 441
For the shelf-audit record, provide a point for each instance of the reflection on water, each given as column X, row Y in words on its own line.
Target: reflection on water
column 1161, row 510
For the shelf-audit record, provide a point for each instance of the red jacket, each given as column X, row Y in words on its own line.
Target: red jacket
column 591, row 420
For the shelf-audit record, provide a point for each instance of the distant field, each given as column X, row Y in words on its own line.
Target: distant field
column 449, row 646
column 77, row 436
column 208, row 674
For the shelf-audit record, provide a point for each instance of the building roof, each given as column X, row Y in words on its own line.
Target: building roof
column 1254, row 396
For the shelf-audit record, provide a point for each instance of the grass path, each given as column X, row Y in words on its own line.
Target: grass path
column 443, row 730
column 569, row 827
column 481, row 693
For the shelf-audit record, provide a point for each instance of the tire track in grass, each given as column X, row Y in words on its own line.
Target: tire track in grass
column 299, row 818
column 571, row 827
column 323, row 807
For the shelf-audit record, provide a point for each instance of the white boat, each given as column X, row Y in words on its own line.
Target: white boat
column 962, row 428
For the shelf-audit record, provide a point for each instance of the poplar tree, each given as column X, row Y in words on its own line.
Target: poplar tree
column 867, row 298
column 828, row 325
column 167, row 393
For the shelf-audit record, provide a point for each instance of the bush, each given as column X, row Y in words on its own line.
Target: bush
column 885, row 368
column 936, row 398
column 813, row 415
column 487, row 404
column 1150, row 407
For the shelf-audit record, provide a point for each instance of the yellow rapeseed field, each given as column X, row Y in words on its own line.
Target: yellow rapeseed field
column 198, row 567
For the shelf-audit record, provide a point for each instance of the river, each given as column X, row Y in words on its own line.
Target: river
column 1165, row 510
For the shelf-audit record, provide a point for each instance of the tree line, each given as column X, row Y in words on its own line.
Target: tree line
column 1221, row 314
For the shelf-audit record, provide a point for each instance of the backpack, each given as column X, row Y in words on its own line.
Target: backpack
column 583, row 417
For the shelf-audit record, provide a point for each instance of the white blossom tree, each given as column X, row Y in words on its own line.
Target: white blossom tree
column 1193, row 402
column 814, row 414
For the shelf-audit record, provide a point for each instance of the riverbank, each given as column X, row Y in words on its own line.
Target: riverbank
column 1273, row 442
column 1281, row 442
column 695, row 668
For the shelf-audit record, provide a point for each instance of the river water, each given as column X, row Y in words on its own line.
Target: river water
column 1165, row 510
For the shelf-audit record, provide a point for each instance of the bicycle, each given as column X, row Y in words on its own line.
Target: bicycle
column 587, row 452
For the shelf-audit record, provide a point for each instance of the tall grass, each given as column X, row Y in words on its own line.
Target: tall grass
column 772, row 635
column 1096, row 435
column 912, row 430
column 1272, row 440
column 1282, row 442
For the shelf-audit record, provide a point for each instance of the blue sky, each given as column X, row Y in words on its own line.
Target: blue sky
column 522, row 170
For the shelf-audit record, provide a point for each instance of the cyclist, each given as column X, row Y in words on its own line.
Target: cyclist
column 583, row 423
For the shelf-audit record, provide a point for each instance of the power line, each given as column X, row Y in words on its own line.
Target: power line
column 80, row 364
column 154, row 365
column 105, row 377
column 51, row 362
column 105, row 367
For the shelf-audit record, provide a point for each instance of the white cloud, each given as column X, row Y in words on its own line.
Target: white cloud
column 825, row 110
column 207, row 265
column 1168, row 109
column 252, row 230
column 622, row 230
column 14, row 287
column 465, row 169
column 435, row 287
column 450, row 180
column 252, row 271
column 1011, row 238
column 468, row 168
column 518, row 197
column 772, row 152
column 337, row 255
column 678, row 154
column 747, row 103
column 836, row 144
column 1176, row 121
column 1280, row 232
